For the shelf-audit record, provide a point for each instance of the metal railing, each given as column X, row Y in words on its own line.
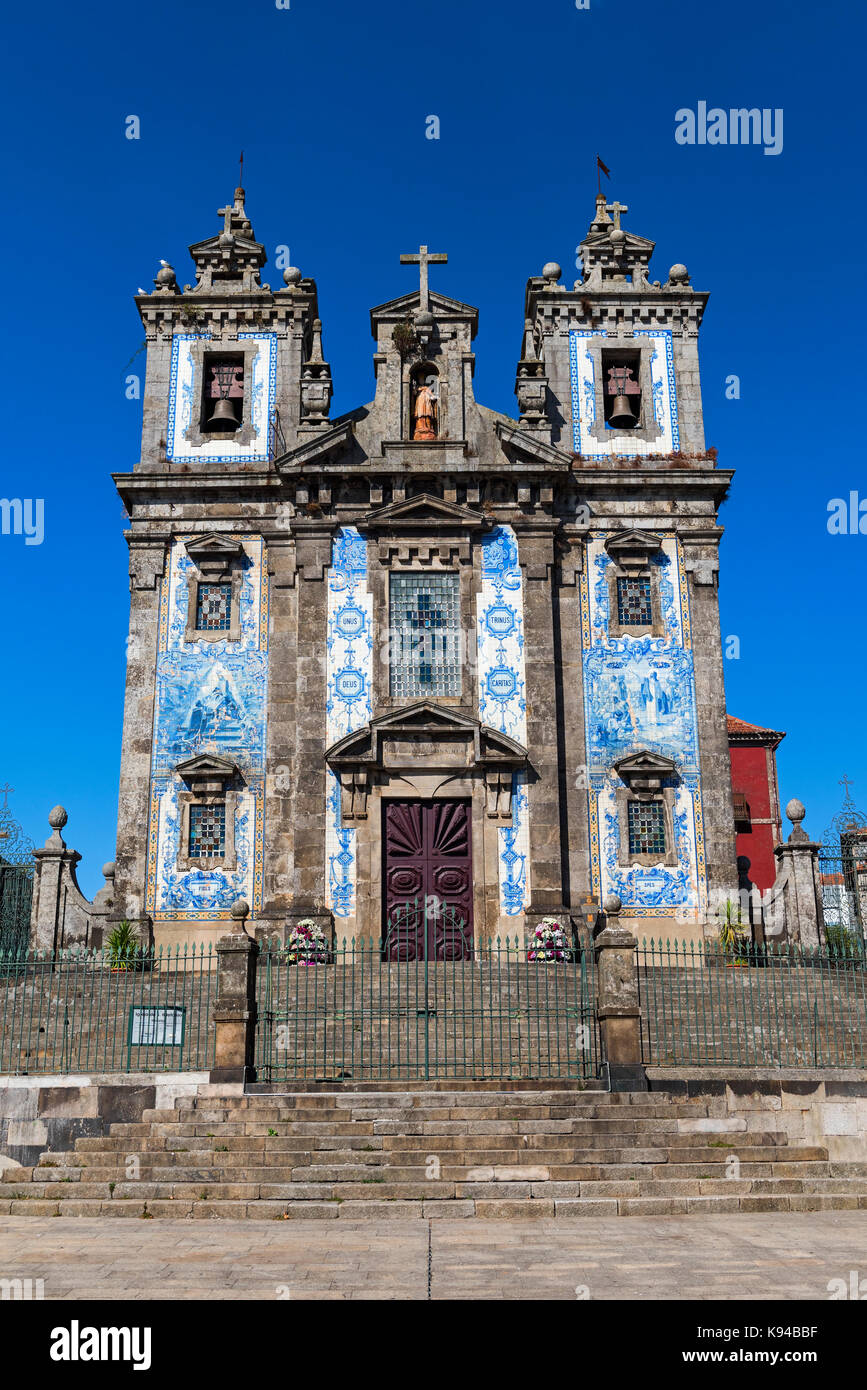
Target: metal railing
column 776, row 1006
column 378, row 1011
column 89, row 1011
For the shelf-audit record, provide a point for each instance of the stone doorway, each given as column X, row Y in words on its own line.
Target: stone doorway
column 427, row 879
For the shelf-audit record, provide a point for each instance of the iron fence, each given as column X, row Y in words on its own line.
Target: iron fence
column 16, row 895
column 89, row 1012
column 777, row 1006
column 376, row 1011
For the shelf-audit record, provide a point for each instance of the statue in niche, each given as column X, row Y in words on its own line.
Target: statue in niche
column 425, row 402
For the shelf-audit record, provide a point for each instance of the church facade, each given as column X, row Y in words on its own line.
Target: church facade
column 424, row 652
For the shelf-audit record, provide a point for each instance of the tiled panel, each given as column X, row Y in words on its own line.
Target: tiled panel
column 639, row 693
column 664, row 406
column 210, row 697
column 349, row 643
column 185, row 400
column 502, row 699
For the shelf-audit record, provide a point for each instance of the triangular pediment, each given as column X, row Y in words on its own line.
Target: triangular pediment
column 436, row 723
column 423, row 512
column 210, row 765
column 646, row 762
column 633, row 542
column 212, row 544
column 441, row 306
column 523, row 443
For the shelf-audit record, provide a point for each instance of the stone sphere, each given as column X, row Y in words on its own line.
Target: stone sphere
column 551, row 270
column 617, row 235
column 292, row 275
column 796, row 810
column 423, row 318
column 108, row 869
column 165, row 275
column 57, row 817
column 240, row 909
column 678, row 273
column 611, row 904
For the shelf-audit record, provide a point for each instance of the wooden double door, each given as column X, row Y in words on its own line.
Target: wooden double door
column 428, row 880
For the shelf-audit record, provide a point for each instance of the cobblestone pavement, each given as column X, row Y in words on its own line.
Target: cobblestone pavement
column 775, row 1256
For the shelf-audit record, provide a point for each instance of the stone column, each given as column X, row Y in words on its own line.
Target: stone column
column 235, row 1008
column 617, row 1007
column 796, row 897
column 146, row 567
column 536, row 557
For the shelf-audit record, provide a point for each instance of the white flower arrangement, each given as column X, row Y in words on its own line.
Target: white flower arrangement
column 307, row 944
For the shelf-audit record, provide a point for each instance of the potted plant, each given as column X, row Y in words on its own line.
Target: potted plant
column 307, row 944
column 548, row 942
column 732, row 938
column 123, row 946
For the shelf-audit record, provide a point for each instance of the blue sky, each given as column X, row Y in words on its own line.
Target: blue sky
column 328, row 100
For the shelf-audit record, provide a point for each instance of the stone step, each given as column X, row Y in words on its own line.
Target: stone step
column 378, row 1208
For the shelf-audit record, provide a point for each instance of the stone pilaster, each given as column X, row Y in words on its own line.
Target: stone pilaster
column 280, row 775
column 313, row 553
column 702, row 565
column 536, row 557
column 146, row 568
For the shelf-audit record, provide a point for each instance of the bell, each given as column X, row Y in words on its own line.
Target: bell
column 223, row 418
column 621, row 416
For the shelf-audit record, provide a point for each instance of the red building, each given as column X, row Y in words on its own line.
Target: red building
column 756, row 795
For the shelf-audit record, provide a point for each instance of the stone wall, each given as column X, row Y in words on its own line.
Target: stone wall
column 47, row 1114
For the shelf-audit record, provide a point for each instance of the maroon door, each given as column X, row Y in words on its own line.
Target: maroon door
column 428, row 880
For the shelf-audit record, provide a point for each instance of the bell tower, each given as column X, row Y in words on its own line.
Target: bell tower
column 609, row 372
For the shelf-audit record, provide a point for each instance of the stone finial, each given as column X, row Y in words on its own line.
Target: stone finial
column 611, row 905
column 239, row 912
column 678, row 276
column 57, row 817
column 108, row 870
column 796, row 811
column 292, row 276
column 166, row 280
column 551, row 272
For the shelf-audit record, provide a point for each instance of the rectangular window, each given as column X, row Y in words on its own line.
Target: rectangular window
column 646, row 827
column 214, row 608
column 425, row 634
column 634, row 608
column 208, row 831
column 621, row 395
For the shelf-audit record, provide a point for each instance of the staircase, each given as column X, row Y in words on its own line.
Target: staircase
column 431, row 1150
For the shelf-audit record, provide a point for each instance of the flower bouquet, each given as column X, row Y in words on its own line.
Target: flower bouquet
column 306, row 944
column 549, row 941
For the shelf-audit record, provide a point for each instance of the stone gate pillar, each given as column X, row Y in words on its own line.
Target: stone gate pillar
column 617, row 1006
column 235, row 1009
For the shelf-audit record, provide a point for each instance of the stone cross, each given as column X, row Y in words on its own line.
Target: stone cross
column 617, row 209
column 423, row 260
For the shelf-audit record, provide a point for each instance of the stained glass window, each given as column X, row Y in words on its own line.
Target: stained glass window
column 208, row 831
column 633, row 603
column 425, row 634
column 214, row 608
column 646, row 827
